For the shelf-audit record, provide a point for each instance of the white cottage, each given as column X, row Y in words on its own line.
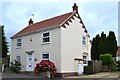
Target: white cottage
column 63, row 40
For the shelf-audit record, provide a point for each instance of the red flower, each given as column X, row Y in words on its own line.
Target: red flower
column 45, row 65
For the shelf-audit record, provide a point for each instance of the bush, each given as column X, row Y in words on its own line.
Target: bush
column 90, row 63
column 118, row 65
column 16, row 66
column 88, row 70
column 45, row 65
column 106, row 59
column 113, row 66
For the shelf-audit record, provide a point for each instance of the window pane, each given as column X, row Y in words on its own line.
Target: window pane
column 45, row 56
column 46, row 34
column 18, row 58
column 84, row 40
column 18, row 40
column 84, row 62
column 18, row 44
column 84, row 57
column 47, row 39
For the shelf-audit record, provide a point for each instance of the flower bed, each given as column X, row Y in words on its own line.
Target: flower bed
column 44, row 66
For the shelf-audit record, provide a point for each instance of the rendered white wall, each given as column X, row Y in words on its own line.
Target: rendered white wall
column 71, row 46
column 54, row 48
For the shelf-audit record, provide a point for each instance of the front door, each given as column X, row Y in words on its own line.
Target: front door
column 80, row 68
column 30, row 61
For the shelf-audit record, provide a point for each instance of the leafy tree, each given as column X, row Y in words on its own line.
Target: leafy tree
column 94, row 48
column 102, row 47
column 4, row 44
column 111, row 44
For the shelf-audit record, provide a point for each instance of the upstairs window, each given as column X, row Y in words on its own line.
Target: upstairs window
column 45, row 56
column 84, row 40
column 46, row 37
column 19, row 42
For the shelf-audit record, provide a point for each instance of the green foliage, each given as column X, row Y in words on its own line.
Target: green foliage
column 88, row 70
column 4, row 44
column 102, row 44
column 16, row 66
column 94, row 48
column 106, row 59
column 118, row 65
column 111, row 44
column 113, row 66
column 90, row 63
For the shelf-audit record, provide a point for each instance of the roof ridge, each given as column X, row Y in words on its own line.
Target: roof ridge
column 50, row 18
column 67, row 18
column 44, row 24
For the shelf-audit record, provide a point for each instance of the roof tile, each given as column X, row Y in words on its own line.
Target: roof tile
column 45, row 24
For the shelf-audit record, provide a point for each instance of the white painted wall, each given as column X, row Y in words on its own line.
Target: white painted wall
column 54, row 48
column 66, row 44
column 71, row 46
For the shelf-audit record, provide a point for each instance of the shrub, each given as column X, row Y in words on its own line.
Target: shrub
column 88, row 70
column 16, row 66
column 118, row 65
column 106, row 59
column 45, row 65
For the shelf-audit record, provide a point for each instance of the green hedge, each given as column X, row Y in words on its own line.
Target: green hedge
column 88, row 70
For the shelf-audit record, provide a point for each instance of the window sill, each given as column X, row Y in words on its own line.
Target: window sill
column 84, row 45
column 45, row 43
column 19, row 47
column 45, row 59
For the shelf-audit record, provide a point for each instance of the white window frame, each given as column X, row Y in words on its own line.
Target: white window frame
column 46, row 37
column 47, row 54
column 84, row 40
column 17, row 58
column 20, row 42
column 84, row 59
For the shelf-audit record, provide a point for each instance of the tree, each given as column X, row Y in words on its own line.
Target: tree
column 102, row 47
column 94, row 48
column 111, row 44
column 4, row 44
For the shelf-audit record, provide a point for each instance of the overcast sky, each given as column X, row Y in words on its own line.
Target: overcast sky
column 97, row 16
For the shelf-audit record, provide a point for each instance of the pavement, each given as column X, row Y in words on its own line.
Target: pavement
column 97, row 76
column 0, row 75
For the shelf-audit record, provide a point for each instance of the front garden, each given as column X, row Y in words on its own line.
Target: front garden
column 44, row 69
column 105, row 64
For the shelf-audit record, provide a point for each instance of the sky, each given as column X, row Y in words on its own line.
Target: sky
column 97, row 16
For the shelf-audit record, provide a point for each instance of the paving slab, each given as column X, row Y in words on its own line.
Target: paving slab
column 98, row 75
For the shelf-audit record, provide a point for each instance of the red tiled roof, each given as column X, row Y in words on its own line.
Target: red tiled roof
column 45, row 24
column 118, row 51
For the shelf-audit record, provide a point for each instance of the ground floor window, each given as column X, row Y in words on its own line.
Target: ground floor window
column 45, row 56
column 84, row 59
column 17, row 58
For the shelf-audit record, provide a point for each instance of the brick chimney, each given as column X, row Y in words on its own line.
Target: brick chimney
column 75, row 8
column 30, row 22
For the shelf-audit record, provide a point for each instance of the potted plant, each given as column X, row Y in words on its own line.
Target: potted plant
column 46, row 66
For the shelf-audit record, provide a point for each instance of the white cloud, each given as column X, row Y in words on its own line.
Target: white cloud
column 97, row 16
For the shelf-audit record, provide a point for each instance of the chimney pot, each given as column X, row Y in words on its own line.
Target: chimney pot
column 75, row 8
column 30, row 21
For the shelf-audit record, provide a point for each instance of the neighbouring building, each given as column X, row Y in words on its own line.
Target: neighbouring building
column 118, row 54
column 63, row 40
